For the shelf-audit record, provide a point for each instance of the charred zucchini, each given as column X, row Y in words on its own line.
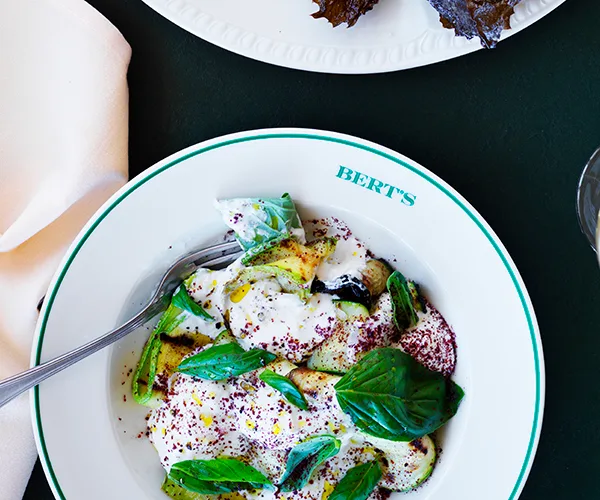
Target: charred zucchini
column 311, row 382
column 352, row 310
column 405, row 465
column 176, row 492
column 301, row 261
column 225, row 337
column 331, row 355
column 375, row 276
column 173, row 348
column 358, row 333
column 152, row 363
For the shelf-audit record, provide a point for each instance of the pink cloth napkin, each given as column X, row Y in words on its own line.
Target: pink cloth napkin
column 63, row 152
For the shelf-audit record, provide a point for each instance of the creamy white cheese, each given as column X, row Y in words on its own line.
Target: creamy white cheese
column 281, row 323
column 196, row 421
column 270, row 422
column 206, row 288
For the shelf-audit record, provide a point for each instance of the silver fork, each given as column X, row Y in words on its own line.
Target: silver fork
column 221, row 254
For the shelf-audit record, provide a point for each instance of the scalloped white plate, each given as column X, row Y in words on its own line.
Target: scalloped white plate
column 89, row 431
column 395, row 35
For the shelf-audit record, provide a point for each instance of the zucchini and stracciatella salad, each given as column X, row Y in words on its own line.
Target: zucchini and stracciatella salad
column 307, row 369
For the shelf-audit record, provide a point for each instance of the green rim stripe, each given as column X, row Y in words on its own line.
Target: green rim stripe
column 345, row 142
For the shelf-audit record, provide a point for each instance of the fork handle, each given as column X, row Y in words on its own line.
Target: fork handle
column 13, row 386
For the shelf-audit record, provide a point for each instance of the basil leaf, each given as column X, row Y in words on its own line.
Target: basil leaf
column 223, row 361
column 405, row 314
column 389, row 395
column 259, row 220
column 305, row 458
column 183, row 301
column 286, row 387
column 213, row 477
column 358, row 483
column 455, row 395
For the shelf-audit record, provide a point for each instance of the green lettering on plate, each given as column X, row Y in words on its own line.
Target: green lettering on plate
column 377, row 186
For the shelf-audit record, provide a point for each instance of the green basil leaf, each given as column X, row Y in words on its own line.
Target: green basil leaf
column 358, row 483
column 403, row 306
column 286, row 387
column 305, row 458
column 389, row 395
column 183, row 301
column 256, row 221
column 455, row 395
column 220, row 475
column 220, row 362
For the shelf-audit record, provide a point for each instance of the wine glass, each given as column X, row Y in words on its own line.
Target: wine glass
column 588, row 199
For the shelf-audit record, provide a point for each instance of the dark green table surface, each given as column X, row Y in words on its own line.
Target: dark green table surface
column 510, row 129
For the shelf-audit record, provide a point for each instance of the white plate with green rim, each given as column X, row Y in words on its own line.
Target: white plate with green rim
column 395, row 35
column 89, row 432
